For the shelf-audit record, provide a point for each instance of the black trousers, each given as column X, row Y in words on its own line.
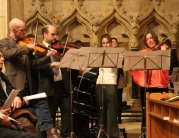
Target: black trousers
column 61, row 99
column 109, row 115
column 11, row 133
column 119, row 104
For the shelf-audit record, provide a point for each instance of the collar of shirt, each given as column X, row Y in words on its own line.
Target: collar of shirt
column 14, row 39
column 46, row 44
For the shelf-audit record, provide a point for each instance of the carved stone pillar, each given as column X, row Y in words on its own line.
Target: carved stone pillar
column 16, row 9
column 134, row 87
column 3, row 19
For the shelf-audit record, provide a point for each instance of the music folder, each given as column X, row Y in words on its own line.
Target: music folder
column 176, row 87
column 10, row 99
column 175, row 75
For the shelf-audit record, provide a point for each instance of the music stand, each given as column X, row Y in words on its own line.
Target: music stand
column 103, row 58
column 72, row 59
column 151, row 60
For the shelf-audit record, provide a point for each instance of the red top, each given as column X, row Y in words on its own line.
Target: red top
column 151, row 78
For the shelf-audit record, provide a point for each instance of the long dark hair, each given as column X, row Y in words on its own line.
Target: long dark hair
column 154, row 36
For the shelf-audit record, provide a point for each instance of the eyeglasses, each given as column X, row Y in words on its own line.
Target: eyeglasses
column 21, row 30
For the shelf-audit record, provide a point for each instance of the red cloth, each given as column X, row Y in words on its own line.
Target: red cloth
column 157, row 78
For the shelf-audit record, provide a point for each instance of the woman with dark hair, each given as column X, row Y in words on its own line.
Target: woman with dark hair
column 114, row 42
column 106, row 85
column 155, row 80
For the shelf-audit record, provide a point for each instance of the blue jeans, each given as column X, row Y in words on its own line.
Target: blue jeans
column 40, row 108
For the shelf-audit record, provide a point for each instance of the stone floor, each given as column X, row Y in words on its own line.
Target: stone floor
column 132, row 128
column 131, row 119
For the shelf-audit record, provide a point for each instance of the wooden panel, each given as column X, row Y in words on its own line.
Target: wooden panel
column 157, row 108
column 173, row 113
column 167, row 130
column 175, row 131
column 164, row 110
column 157, row 128
column 157, row 112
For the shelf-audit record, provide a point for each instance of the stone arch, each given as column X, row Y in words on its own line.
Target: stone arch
column 116, row 21
column 31, row 24
column 75, row 23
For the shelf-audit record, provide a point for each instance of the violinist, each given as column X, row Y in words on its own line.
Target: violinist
column 17, row 70
column 56, row 83
column 156, row 80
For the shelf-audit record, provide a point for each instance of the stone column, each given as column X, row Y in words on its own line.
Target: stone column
column 3, row 19
column 134, row 87
column 16, row 9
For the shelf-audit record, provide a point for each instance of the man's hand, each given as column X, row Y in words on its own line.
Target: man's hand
column 17, row 103
column 6, row 111
column 31, row 47
column 26, row 101
column 84, row 70
column 51, row 52
column 55, row 64
column 5, row 121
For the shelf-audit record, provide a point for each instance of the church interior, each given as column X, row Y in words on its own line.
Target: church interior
column 87, row 21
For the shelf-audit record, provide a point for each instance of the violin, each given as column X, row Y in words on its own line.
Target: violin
column 27, row 40
column 159, row 45
column 58, row 45
column 62, row 48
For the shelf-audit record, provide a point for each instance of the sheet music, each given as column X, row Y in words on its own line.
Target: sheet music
column 73, row 59
column 136, row 60
column 1, row 116
column 106, row 57
column 10, row 99
column 37, row 96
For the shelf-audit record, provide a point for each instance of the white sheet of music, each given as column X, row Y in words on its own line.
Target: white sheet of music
column 37, row 96
column 10, row 99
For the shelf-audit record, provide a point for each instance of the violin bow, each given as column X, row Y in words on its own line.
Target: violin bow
column 36, row 29
column 161, row 42
column 35, row 39
column 65, row 44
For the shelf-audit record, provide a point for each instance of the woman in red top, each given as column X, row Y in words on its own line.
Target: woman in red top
column 153, row 80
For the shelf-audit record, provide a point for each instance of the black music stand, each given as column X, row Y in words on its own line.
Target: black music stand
column 151, row 60
column 103, row 58
column 72, row 59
